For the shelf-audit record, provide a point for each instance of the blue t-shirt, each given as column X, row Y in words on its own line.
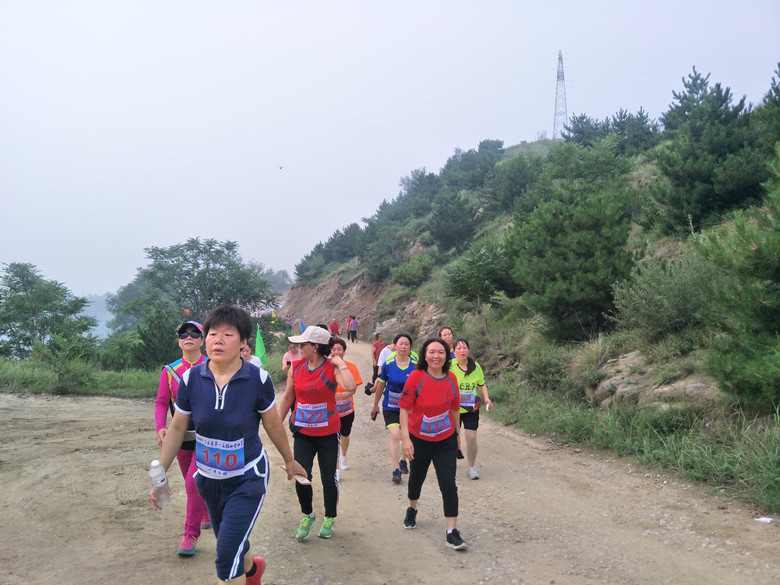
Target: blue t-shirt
column 394, row 379
column 226, row 422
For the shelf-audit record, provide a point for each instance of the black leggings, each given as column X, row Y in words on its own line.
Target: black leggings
column 443, row 454
column 305, row 447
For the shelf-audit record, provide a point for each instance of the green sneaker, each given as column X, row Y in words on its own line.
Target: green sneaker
column 327, row 528
column 307, row 522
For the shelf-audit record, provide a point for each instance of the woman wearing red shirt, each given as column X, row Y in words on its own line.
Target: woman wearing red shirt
column 430, row 416
column 315, row 422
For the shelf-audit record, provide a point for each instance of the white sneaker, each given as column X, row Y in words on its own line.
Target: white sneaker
column 344, row 462
column 338, row 476
column 472, row 473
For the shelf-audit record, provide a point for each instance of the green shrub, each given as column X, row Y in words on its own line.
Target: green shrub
column 675, row 345
column 413, row 272
column 545, row 368
column 661, row 297
column 119, row 350
column 65, row 359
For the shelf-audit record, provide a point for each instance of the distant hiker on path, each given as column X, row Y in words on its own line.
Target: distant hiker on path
column 352, row 329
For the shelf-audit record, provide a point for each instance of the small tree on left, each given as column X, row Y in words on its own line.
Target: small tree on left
column 35, row 310
column 183, row 282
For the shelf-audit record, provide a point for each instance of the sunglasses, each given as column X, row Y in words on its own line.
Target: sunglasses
column 193, row 334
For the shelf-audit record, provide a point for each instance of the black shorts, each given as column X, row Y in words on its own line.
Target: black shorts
column 392, row 417
column 470, row 420
column 346, row 424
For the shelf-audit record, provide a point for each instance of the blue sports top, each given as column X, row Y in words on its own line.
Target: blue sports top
column 394, row 379
column 226, row 422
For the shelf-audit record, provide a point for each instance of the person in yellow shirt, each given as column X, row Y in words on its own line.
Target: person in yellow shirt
column 470, row 379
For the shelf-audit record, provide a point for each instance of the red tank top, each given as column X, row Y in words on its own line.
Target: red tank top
column 315, row 399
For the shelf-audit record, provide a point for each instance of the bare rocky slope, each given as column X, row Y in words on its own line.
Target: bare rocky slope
column 330, row 299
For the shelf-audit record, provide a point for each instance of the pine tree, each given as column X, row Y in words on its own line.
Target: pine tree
column 712, row 163
column 746, row 355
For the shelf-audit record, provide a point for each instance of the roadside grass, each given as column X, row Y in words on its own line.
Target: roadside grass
column 736, row 453
column 87, row 380
column 273, row 365
column 26, row 376
column 76, row 378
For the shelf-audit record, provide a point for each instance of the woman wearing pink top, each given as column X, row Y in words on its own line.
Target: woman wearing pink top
column 293, row 355
column 190, row 342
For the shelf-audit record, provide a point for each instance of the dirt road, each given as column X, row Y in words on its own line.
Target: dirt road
column 74, row 510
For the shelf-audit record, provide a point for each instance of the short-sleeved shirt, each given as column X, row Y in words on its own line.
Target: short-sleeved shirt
column 314, row 411
column 227, row 420
column 383, row 355
column 376, row 349
column 468, row 385
column 430, row 401
column 347, row 406
column 394, row 378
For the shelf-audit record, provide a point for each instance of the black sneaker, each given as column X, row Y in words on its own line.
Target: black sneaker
column 404, row 466
column 396, row 476
column 460, row 454
column 410, row 521
column 455, row 541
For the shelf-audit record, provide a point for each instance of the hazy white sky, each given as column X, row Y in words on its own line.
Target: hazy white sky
column 129, row 124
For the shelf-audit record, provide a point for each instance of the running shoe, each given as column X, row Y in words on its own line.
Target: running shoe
column 460, row 454
column 344, row 462
column 396, row 476
column 307, row 522
column 338, row 475
column 404, row 466
column 205, row 522
column 259, row 570
column 455, row 541
column 326, row 530
column 472, row 473
column 410, row 521
column 189, row 544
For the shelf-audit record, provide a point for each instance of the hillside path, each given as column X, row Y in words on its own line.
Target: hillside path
column 74, row 510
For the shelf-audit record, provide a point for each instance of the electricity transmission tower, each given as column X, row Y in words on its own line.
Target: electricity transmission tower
column 560, row 101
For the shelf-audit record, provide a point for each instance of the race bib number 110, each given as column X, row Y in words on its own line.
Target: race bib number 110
column 221, row 458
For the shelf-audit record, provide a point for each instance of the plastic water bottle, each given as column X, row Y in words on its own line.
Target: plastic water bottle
column 159, row 483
